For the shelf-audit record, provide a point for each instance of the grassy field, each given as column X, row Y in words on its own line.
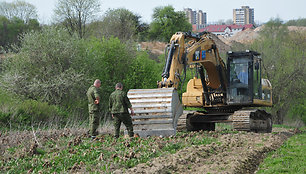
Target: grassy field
column 67, row 154
column 289, row 158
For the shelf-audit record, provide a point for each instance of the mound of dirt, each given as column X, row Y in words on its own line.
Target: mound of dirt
column 249, row 35
column 245, row 37
column 156, row 48
column 221, row 45
column 233, row 153
column 296, row 28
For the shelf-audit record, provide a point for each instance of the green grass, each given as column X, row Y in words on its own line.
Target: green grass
column 194, row 109
column 224, row 126
column 102, row 156
column 289, row 158
column 282, row 126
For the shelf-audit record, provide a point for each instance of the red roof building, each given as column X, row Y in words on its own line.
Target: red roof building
column 226, row 30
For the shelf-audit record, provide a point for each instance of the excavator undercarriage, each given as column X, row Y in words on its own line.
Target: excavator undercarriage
column 254, row 120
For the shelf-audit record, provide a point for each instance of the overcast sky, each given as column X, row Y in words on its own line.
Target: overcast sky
column 216, row 10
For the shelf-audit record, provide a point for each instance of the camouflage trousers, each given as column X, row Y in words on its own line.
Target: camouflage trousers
column 93, row 123
column 127, row 121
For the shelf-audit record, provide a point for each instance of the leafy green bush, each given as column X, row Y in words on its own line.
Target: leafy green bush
column 46, row 67
column 4, row 118
column 298, row 111
column 143, row 72
column 108, row 60
column 16, row 112
column 32, row 111
column 297, row 22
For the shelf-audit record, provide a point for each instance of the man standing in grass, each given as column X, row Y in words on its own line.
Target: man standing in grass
column 94, row 107
column 118, row 106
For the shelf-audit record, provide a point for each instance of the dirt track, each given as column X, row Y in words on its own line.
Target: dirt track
column 233, row 153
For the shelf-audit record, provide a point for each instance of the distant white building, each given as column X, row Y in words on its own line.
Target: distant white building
column 226, row 30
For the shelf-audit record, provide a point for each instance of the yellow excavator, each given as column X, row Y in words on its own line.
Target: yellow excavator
column 224, row 92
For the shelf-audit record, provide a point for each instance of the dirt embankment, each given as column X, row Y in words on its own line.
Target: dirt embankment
column 232, row 153
column 249, row 35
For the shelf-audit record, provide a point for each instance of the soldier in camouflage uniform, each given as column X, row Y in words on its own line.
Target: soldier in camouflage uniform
column 94, row 107
column 118, row 106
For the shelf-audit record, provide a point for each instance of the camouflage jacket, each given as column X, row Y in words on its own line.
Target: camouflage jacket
column 92, row 94
column 119, row 102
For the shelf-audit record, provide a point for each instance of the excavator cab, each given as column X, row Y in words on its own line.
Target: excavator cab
column 244, row 78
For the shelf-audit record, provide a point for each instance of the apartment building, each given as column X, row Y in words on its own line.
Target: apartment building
column 197, row 18
column 243, row 15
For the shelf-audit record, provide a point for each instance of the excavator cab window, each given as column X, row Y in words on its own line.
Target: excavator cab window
column 244, row 77
column 239, row 81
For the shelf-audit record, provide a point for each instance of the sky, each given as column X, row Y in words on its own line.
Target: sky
column 216, row 10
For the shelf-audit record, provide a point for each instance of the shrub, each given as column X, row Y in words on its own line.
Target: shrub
column 143, row 72
column 32, row 111
column 46, row 67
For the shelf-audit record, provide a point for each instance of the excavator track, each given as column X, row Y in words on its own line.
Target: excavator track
column 252, row 120
column 156, row 111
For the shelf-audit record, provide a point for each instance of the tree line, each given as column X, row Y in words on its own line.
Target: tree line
column 84, row 18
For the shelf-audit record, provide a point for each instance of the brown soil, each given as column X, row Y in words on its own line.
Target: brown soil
column 233, row 153
column 156, row 48
column 249, row 35
column 32, row 139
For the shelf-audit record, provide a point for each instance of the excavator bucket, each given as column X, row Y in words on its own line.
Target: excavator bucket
column 156, row 111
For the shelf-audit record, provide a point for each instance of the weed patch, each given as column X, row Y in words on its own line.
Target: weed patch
column 290, row 158
column 78, row 153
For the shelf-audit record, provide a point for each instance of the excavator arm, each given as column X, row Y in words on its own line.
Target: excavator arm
column 186, row 49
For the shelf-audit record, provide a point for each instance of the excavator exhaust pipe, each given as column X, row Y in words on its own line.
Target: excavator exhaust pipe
column 156, row 111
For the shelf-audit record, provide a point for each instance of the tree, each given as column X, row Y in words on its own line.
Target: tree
column 298, row 22
column 19, row 9
column 120, row 23
column 229, row 22
column 75, row 14
column 11, row 29
column 166, row 22
column 221, row 22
